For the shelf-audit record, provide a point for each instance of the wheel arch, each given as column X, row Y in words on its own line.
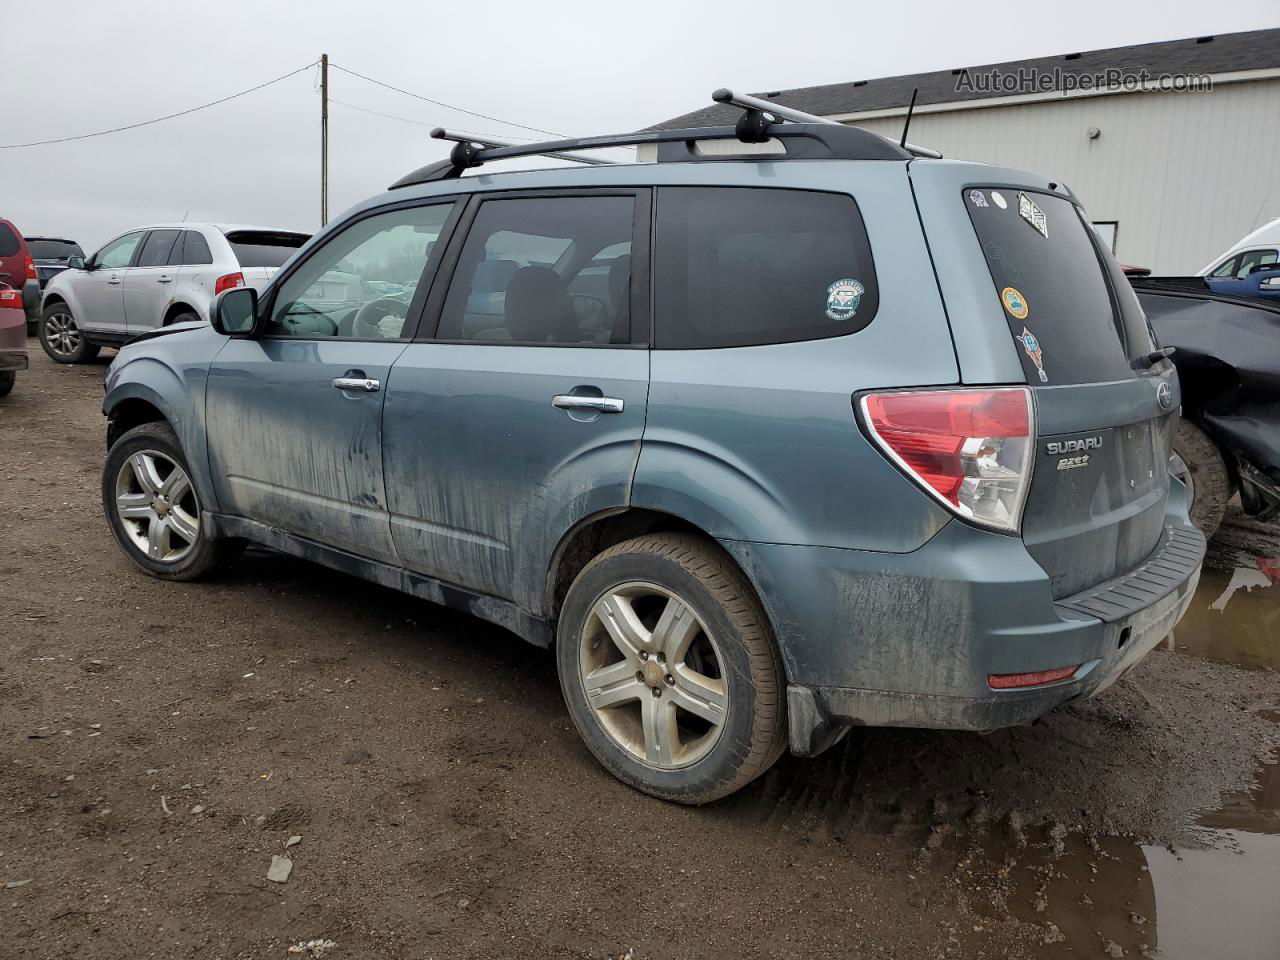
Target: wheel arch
column 176, row 309
column 132, row 412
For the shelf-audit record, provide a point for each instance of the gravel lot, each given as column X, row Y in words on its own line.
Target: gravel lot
column 159, row 743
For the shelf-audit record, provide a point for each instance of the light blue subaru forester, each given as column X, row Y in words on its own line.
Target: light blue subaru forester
column 826, row 433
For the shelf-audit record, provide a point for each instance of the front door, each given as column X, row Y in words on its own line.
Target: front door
column 295, row 416
column 148, row 284
column 100, row 291
column 524, row 414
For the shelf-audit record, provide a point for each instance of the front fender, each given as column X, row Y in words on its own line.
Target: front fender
column 151, row 381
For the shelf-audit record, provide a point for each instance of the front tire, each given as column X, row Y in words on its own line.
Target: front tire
column 62, row 338
column 153, row 509
column 670, row 671
column 1207, row 479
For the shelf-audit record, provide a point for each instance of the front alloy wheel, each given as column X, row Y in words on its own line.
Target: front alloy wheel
column 157, row 506
column 652, row 675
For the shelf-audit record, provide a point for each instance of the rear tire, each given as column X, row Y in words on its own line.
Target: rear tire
column 695, row 708
column 186, row 317
column 1210, row 483
column 62, row 338
column 7, row 379
column 152, row 507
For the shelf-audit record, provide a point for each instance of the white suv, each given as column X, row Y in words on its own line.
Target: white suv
column 151, row 277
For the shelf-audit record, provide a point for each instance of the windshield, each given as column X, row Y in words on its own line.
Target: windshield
column 255, row 248
column 1063, row 296
column 54, row 249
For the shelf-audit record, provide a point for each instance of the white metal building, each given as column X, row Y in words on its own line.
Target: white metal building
column 1171, row 177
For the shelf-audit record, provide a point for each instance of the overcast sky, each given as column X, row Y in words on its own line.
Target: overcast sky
column 564, row 65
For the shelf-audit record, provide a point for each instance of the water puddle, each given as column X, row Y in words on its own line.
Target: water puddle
column 1111, row 897
column 1233, row 618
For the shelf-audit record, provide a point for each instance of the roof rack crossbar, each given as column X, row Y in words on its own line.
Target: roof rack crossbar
column 782, row 112
column 493, row 143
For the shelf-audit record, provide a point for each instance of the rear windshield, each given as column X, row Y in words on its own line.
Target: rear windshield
column 255, row 248
column 54, row 249
column 1057, row 289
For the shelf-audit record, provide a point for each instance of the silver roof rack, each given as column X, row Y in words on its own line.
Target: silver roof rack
column 782, row 112
column 440, row 133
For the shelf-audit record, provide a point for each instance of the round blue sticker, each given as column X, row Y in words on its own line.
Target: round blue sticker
column 843, row 298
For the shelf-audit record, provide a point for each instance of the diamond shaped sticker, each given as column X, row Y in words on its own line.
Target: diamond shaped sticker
column 1029, row 212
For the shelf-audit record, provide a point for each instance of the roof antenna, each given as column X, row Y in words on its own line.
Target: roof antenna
column 907, row 123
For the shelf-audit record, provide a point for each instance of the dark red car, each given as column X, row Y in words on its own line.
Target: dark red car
column 13, row 337
column 18, row 269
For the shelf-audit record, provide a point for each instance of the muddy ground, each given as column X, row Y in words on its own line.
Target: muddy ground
column 159, row 743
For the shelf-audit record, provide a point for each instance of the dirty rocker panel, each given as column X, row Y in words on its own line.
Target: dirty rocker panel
column 533, row 629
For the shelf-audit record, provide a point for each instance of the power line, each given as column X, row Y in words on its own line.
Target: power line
column 392, row 116
column 171, row 116
column 448, row 106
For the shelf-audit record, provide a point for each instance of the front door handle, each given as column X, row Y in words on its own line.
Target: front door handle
column 164, row 279
column 113, row 280
column 566, row 401
column 356, row 383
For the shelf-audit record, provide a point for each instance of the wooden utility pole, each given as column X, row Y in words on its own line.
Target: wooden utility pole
column 324, row 139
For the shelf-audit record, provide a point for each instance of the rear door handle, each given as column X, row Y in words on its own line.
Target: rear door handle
column 164, row 279
column 566, row 401
column 356, row 383
column 113, row 280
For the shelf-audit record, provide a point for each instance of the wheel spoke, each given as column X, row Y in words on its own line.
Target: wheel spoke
column 157, row 538
column 176, row 485
column 625, row 629
column 144, row 469
column 701, row 695
column 612, row 685
column 134, row 506
column 675, row 630
column 661, row 736
column 183, row 524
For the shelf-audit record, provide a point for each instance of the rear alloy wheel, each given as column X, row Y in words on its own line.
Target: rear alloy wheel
column 62, row 338
column 1197, row 462
column 153, row 508
column 7, row 380
column 669, row 669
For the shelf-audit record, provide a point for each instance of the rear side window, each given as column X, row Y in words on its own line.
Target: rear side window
column 156, row 248
column 1073, row 320
column 737, row 267
column 8, row 241
column 257, row 248
column 191, row 250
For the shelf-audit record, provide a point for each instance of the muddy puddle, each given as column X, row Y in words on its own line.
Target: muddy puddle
column 1233, row 618
column 1104, row 896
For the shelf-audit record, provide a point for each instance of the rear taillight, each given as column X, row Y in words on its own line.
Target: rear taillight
column 10, row 298
column 228, row 281
column 31, row 269
column 970, row 449
column 1015, row 681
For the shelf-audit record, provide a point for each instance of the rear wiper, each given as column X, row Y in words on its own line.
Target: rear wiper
column 1149, row 360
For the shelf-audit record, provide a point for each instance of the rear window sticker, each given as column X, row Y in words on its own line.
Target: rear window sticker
column 843, row 298
column 1014, row 302
column 998, row 198
column 1032, row 346
column 1008, row 265
column 978, row 198
column 1029, row 212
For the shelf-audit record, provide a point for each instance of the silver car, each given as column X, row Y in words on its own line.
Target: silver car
column 154, row 276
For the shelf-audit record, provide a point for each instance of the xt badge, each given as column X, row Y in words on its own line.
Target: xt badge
column 1077, row 447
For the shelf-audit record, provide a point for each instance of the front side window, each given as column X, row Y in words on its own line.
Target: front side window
column 117, row 254
column 1252, row 259
column 741, row 267
column 156, row 249
column 544, row 270
column 363, row 281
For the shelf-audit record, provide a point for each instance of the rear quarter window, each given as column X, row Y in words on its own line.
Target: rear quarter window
column 745, row 266
column 1057, row 289
column 8, row 241
column 259, row 249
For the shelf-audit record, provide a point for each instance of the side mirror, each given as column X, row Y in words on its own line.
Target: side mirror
column 75, row 263
column 235, row 312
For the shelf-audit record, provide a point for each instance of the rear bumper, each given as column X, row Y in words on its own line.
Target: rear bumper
column 910, row 639
column 13, row 339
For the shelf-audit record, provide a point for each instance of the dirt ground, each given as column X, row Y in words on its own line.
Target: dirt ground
column 160, row 742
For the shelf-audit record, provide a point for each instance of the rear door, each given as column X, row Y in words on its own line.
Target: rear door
column 148, row 285
column 1105, row 420
column 523, row 415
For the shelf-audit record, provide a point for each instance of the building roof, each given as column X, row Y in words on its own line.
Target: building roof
column 1222, row 53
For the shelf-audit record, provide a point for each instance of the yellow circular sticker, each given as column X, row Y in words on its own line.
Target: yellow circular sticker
column 1014, row 302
